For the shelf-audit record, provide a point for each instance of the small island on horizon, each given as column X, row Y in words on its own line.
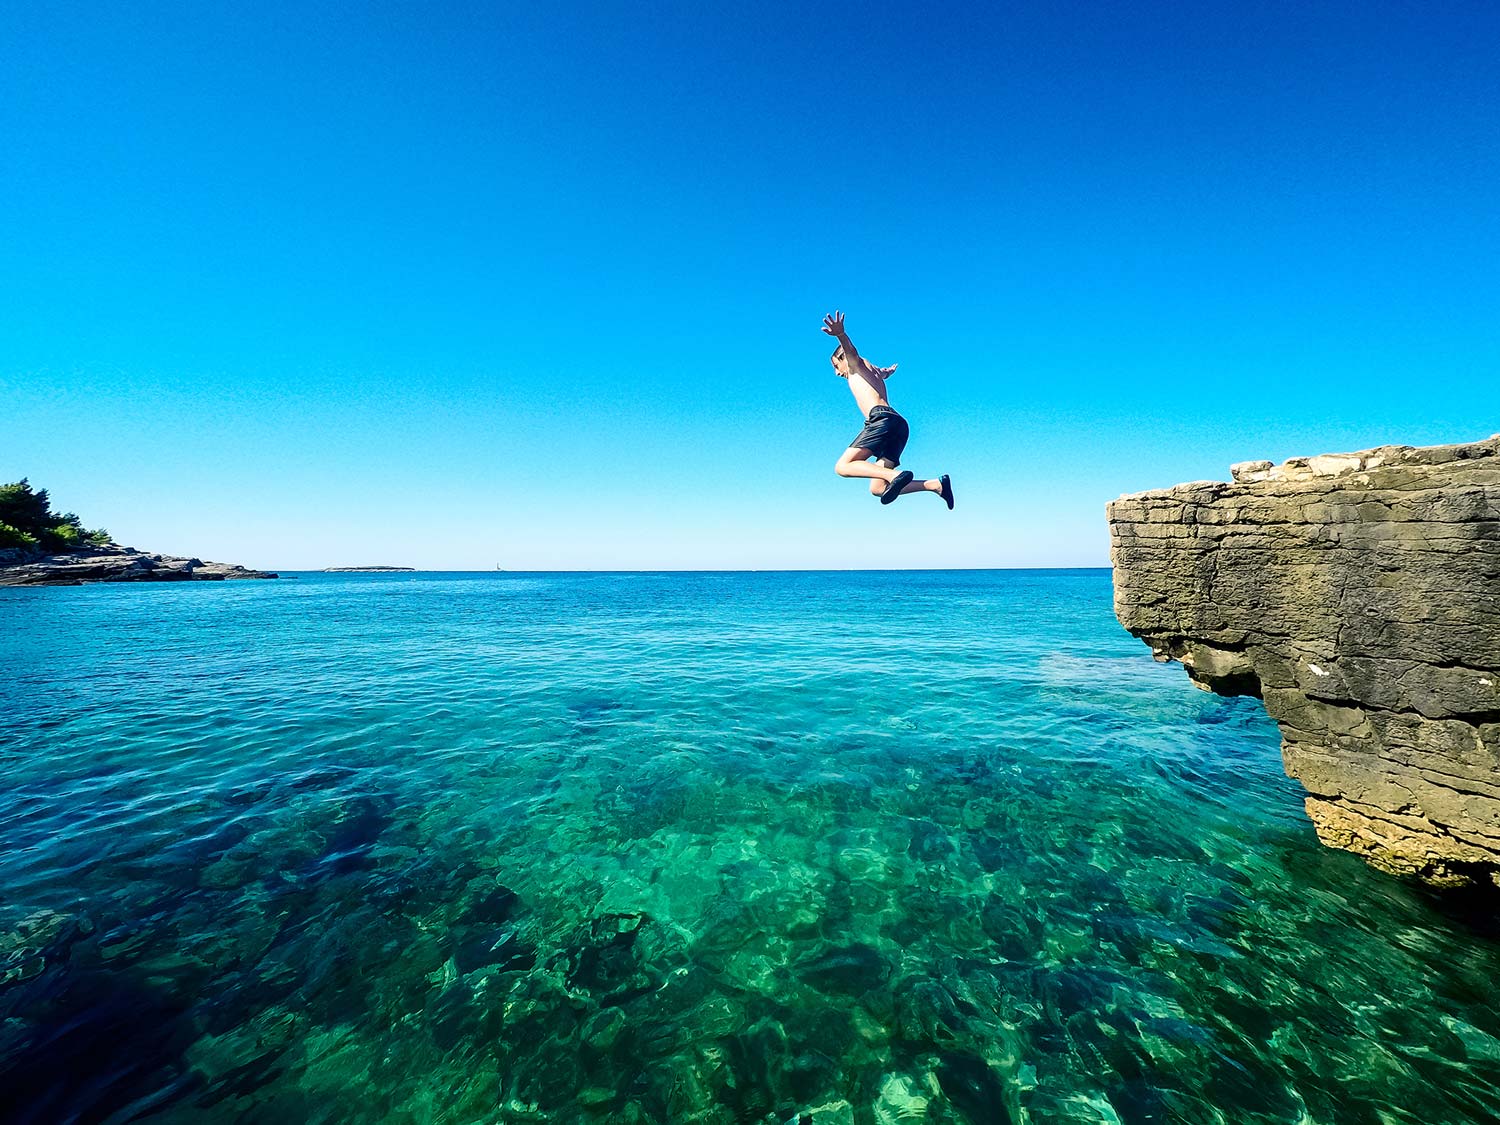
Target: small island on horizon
column 368, row 570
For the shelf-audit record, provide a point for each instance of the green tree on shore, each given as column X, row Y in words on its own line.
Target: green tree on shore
column 27, row 521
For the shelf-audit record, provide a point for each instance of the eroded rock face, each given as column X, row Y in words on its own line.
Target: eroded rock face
column 1359, row 596
column 112, row 564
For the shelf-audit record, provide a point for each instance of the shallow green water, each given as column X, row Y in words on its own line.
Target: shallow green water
column 869, row 847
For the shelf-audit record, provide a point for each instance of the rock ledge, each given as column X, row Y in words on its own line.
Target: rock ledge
column 1358, row 595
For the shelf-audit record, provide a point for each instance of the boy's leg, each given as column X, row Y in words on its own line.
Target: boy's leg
column 855, row 462
column 914, row 486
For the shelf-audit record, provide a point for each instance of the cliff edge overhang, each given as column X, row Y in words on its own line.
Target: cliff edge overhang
column 1358, row 595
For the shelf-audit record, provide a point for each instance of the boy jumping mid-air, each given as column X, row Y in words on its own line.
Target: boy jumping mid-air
column 885, row 432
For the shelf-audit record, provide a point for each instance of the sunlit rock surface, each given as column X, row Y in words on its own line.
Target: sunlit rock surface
column 1358, row 594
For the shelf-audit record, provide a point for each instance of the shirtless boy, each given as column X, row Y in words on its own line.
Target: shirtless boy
column 885, row 432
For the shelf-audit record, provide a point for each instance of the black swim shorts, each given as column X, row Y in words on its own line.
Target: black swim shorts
column 884, row 435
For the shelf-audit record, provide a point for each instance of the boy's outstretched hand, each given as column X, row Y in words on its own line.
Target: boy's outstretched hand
column 833, row 324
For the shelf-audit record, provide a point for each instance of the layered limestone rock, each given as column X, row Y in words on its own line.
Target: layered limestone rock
column 1359, row 596
column 112, row 563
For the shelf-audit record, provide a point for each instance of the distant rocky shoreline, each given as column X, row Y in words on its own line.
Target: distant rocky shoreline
column 111, row 563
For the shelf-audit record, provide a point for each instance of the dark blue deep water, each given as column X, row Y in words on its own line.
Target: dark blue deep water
column 899, row 847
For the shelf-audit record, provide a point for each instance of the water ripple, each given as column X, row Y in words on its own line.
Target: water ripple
column 881, row 848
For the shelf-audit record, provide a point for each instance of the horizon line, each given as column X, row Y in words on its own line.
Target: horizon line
column 388, row 568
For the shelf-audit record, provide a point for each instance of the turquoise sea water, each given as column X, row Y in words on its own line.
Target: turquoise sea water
column 893, row 847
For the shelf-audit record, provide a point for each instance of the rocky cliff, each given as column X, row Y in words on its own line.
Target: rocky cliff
column 111, row 563
column 1358, row 595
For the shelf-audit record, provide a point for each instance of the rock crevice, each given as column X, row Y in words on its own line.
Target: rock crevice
column 1357, row 595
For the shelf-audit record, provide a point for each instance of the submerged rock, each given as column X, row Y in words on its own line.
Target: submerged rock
column 852, row 969
column 42, row 937
column 1358, row 595
column 972, row 1085
column 902, row 1100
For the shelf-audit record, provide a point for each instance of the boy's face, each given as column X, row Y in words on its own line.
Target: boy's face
column 840, row 364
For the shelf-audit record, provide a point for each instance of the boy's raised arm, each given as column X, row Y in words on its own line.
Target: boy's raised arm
column 833, row 324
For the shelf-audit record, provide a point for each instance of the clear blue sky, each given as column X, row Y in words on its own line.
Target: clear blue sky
column 456, row 285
